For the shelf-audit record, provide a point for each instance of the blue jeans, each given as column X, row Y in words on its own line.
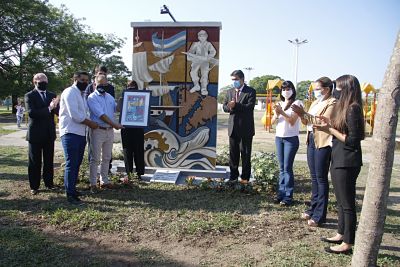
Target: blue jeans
column 74, row 148
column 318, row 162
column 286, row 148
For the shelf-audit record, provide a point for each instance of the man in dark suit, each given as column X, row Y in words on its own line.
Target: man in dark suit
column 240, row 102
column 41, row 106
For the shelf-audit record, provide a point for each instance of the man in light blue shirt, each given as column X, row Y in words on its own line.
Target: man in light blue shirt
column 102, row 107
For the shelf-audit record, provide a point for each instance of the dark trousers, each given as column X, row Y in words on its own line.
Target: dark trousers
column 240, row 146
column 344, row 184
column 133, row 147
column 36, row 151
column 318, row 160
column 286, row 149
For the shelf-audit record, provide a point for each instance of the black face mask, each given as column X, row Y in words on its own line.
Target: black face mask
column 81, row 85
column 101, row 89
column 42, row 86
column 336, row 93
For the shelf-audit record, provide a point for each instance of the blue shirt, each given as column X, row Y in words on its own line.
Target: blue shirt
column 100, row 105
column 91, row 88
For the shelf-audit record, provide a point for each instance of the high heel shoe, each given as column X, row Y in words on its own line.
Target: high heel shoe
column 331, row 241
column 312, row 223
column 345, row 252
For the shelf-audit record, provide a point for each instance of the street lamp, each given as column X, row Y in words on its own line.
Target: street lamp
column 296, row 42
column 248, row 72
column 165, row 10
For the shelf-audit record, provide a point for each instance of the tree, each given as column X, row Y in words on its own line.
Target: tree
column 302, row 89
column 222, row 93
column 373, row 213
column 260, row 83
column 37, row 37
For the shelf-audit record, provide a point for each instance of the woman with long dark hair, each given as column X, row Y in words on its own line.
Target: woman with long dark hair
column 286, row 140
column 319, row 146
column 347, row 128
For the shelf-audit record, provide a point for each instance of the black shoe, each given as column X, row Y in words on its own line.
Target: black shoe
column 139, row 177
column 34, row 192
column 285, row 204
column 74, row 200
column 277, row 201
column 232, row 181
column 78, row 194
column 51, row 188
column 345, row 252
column 331, row 241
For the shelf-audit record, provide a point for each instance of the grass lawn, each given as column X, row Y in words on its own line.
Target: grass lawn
column 5, row 131
column 143, row 224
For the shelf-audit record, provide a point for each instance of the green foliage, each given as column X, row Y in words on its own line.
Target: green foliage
column 302, row 89
column 38, row 37
column 223, row 155
column 222, row 93
column 265, row 171
column 260, row 83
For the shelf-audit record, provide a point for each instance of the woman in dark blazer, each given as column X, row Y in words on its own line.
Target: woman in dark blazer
column 132, row 144
column 347, row 128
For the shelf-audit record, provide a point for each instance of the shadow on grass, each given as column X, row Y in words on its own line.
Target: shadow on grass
column 13, row 159
column 24, row 246
column 13, row 177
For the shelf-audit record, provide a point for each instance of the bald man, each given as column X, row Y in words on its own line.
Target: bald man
column 41, row 106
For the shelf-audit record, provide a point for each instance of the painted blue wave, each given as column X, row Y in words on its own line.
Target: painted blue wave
column 169, row 44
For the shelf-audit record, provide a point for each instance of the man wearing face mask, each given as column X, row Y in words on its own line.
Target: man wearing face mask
column 99, row 70
column 41, row 106
column 102, row 108
column 73, row 122
column 239, row 103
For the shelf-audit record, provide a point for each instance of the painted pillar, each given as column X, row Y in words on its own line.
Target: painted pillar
column 178, row 62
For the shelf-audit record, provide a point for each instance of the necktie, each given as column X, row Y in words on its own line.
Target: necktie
column 43, row 94
column 237, row 95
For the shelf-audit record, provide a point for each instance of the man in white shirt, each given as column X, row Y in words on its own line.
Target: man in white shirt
column 73, row 121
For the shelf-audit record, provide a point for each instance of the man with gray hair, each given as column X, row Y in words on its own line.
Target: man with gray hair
column 41, row 106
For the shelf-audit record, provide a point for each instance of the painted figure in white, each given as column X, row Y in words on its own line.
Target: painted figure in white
column 201, row 54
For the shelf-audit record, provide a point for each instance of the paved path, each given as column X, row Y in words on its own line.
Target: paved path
column 18, row 139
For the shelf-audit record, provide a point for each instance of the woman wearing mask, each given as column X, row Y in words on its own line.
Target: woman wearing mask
column 347, row 128
column 286, row 140
column 318, row 150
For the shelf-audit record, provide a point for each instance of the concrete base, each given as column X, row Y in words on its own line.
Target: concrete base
column 220, row 172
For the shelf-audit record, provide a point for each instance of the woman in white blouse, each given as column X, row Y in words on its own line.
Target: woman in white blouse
column 286, row 140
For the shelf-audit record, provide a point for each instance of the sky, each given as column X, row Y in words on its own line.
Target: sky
column 344, row 37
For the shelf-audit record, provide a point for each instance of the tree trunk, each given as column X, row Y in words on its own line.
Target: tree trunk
column 373, row 214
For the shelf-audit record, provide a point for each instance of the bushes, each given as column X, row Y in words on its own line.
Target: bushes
column 265, row 170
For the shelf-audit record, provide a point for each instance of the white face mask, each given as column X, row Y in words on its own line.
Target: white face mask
column 287, row 94
column 318, row 94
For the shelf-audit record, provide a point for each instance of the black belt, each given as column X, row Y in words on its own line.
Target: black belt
column 104, row 128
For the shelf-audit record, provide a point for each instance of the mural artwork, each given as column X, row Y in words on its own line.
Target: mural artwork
column 178, row 63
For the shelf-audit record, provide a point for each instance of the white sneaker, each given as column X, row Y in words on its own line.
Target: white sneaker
column 204, row 91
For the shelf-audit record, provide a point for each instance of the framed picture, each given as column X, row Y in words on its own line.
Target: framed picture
column 135, row 110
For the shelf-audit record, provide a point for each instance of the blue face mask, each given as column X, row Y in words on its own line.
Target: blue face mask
column 237, row 84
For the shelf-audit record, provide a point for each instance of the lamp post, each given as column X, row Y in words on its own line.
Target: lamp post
column 296, row 42
column 248, row 72
column 165, row 10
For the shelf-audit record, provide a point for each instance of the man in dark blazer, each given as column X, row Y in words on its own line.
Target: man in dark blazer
column 240, row 102
column 41, row 106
